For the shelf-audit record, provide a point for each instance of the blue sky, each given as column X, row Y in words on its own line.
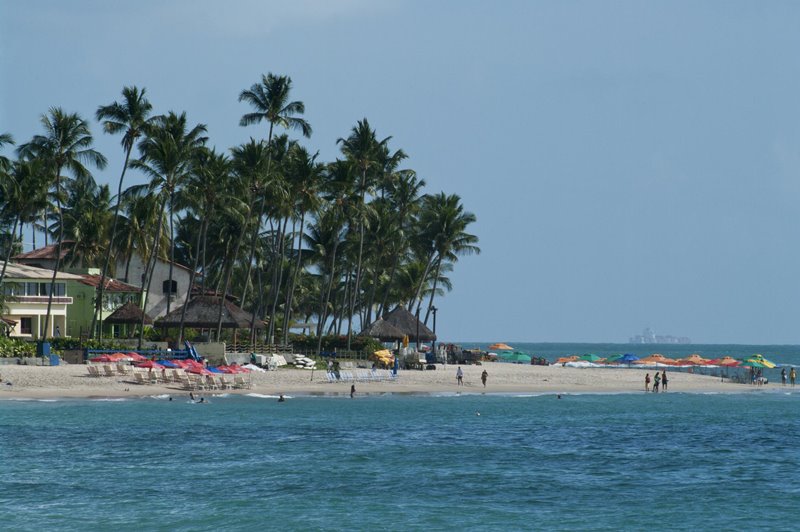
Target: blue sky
column 631, row 164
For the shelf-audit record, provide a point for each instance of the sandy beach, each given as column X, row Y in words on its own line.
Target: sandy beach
column 74, row 381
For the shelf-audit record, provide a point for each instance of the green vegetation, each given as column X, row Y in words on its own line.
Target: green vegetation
column 297, row 240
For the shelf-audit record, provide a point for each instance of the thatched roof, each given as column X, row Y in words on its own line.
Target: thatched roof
column 202, row 312
column 129, row 313
column 407, row 324
column 383, row 331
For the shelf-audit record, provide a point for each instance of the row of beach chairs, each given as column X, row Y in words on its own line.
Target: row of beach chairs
column 188, row 381
column 361, row 375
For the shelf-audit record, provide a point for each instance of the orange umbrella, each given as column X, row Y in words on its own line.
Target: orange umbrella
column 501, row 346
column 694, row 359
column 563, row 360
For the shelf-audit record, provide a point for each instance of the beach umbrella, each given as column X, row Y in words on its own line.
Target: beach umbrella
column 168, row 364
column 628, row 358
column 762, row 360
column 518, row 357
column 752, row 364
column 563, row 360
column 199, row 370
column 136, row 357
column 694, row 359
column 101, row 358
column 501, row 347
column 614, row 358
column 589, row 358
column 149, row 364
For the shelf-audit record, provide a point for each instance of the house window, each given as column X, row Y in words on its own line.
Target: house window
column 60, row 290
column 170, row 287
column 31, row 289
column 26, row 325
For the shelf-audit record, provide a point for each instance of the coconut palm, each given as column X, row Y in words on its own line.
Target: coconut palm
column 363, row 152
column 87, row 220
column 444, row 222
column 167, row 152
column 270, row 99
column 130, row 117
column 66, row 145
column 23, row 191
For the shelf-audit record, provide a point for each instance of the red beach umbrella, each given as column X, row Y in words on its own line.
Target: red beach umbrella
column 136, row 357
column 149, row 364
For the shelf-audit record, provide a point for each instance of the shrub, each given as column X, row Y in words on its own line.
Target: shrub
column 14, row 347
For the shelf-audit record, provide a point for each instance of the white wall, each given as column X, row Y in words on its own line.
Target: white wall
column 157, row 300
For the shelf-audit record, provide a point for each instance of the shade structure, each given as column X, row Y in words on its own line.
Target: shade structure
column 725, row 361
column 760, row 359
column 656, row 358
column 129, row 313
column 409, row 325
column 563, row 360
column 501, row 347
column 202, row 312
column 694, row 359
column 627, row 358
column 516, row 357
column 752, row 364
column 589, row 358
column 383, row 331
column 613, row 358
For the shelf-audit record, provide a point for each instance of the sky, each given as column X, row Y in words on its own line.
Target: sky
column 631, row 164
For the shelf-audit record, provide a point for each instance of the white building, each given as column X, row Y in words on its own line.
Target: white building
column 26, row 290
column 160, row 288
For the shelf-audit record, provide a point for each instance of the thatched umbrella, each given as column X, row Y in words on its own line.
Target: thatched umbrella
column 202, row 312
column 128, row 313
column 383, row 331
column 409, row 325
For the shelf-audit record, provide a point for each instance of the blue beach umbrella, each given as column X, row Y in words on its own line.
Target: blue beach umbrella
column 627, row 358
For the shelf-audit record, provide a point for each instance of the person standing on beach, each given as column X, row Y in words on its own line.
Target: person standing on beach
column 664, row 380
column 459, row 377
column 484, row 376
column 647, row 382
column 656, row 380
column 783, row 376
column 792, row 375
column 352, row 390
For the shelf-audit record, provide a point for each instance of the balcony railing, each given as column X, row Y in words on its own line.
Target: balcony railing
column 40, row 299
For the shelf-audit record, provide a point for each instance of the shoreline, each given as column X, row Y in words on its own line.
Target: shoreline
column 73, row 382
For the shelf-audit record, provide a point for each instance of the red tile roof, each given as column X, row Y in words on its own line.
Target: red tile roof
column 112, row 285
column 47, row 252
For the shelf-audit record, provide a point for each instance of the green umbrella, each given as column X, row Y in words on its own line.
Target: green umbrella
column 589, row 358
column 752, row 364
column 613, row 358
column 518, row 357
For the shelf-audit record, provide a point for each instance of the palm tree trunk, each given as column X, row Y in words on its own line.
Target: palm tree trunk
column 290, row 296
column 324, row 306
column 58, row 252
column 262, row 205
column 433, row 292
column 148, row 270
column 422, row 281
column 228, row 282
column 191, row 279
column 279, row 282
column 101, row 286
column 171, row 249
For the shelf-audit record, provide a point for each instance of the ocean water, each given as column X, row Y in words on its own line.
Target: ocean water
column 395, row 462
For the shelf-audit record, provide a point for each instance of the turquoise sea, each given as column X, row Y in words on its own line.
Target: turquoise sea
column 396, row 462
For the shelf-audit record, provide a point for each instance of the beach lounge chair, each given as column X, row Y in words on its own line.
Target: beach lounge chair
column 224, row 384
column 239, row 382
column 123, row 370
column 197, row 382
column 211, row 383
column 92, row 371
column 139, row 378
column 109, row 372
column 185, row 382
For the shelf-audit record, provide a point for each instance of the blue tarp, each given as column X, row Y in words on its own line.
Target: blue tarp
column 214, row 369
column 167, row 364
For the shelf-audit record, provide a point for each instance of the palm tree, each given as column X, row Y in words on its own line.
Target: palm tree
column 362, row 151
column 168, row 150
column 444, row 222
column 130, row 117
column 87, row 220
column 66, row 145
column 23, row 190
column 5, row 162
column 270, row 99
column 305, row 178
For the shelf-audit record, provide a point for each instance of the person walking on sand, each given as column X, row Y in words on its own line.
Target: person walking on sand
column 656, row 381
column 664, row 380
column 783, row 376
column 792, row 375
column 484, row 376
column 352, row 390
column 459, row 377
column 647, row 382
